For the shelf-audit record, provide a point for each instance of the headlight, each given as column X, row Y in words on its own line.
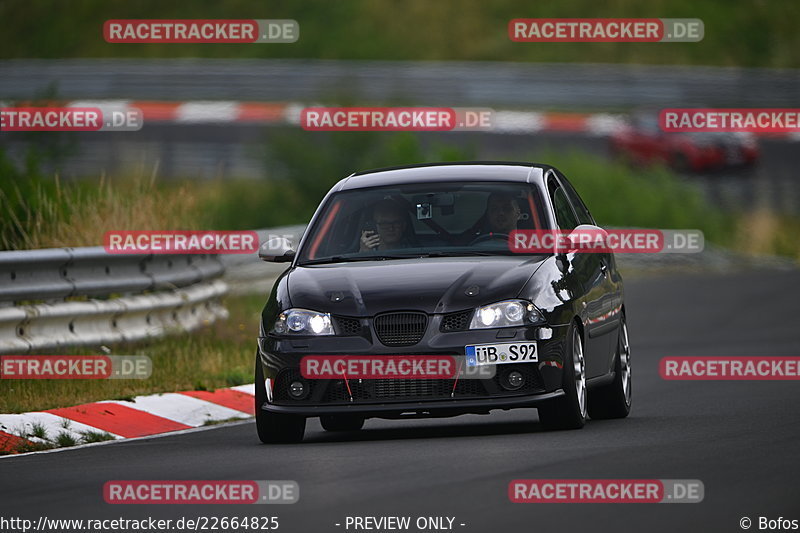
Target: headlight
column 303, row 322
column 506, row 314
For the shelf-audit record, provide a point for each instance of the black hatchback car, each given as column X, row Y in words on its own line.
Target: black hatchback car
column 415, row 262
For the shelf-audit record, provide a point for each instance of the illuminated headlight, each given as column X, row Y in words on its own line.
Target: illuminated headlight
column 506, row 314
column 303, row 322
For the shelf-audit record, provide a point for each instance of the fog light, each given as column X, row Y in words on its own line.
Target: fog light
column 297, row 390
column 514, row 380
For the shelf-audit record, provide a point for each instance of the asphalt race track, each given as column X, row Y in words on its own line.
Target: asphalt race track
column 739, row 438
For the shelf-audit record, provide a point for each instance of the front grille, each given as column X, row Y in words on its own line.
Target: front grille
column 402, row 389
column 347, row 326
column 456, row 321
column 424, row 388
column 335, row 391
column 400, row 329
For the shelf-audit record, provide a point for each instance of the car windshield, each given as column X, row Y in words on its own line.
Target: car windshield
column 438, row 219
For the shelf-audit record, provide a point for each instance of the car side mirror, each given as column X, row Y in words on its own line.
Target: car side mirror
column 276, row 250
column 587, row 236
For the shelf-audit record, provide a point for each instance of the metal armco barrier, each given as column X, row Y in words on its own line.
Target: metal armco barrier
column 62, row 297
column 432, row 83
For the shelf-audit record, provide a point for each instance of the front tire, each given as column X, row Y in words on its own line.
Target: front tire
column 614, row 400
column 569, row 411
column 275, row 428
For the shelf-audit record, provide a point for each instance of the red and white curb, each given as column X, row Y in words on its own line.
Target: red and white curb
column 120, row 419
column 223, row 111
column 229, row 111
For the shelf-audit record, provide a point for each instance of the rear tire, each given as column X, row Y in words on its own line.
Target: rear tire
column 569, row 411
column 341, row 422
column 614, row 400
column 275, row 428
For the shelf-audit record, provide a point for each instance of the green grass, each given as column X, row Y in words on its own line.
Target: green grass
column 43, row 212
column 89, row 437
column 743, row 33
column 65, row 440
column 218, row 422
column 38, row 211
column 38, row 431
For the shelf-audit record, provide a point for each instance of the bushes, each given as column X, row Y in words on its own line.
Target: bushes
column 302, row 166
column 36, row 211
column 619, row 195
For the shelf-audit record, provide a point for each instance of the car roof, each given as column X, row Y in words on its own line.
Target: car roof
column 500, row 171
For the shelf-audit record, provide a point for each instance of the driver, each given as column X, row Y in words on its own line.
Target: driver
column 391, row 222
column 502, row 213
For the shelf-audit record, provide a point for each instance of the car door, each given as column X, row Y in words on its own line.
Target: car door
column 611, row 306
column 590, row 272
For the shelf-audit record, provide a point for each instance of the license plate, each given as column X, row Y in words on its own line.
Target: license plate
column 500, row 354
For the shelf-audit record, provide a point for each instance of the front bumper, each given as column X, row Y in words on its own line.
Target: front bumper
column 410, row 409
column 280, row 359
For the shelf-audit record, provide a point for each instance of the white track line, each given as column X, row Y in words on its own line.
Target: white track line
column 157, row 436
column 216, row 111
column 250, row 389
column 181, row 408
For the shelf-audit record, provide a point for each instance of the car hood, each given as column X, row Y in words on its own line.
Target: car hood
column 432, row 285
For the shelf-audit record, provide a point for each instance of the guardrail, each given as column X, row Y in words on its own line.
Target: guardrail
column 431, row 83
column 60, row 297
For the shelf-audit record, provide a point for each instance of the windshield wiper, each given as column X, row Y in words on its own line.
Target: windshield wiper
column 465, row 253
column 341, row 259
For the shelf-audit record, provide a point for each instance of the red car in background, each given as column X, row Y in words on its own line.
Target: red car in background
column 641, row 141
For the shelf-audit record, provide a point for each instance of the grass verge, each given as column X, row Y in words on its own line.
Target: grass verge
column 46, row 213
